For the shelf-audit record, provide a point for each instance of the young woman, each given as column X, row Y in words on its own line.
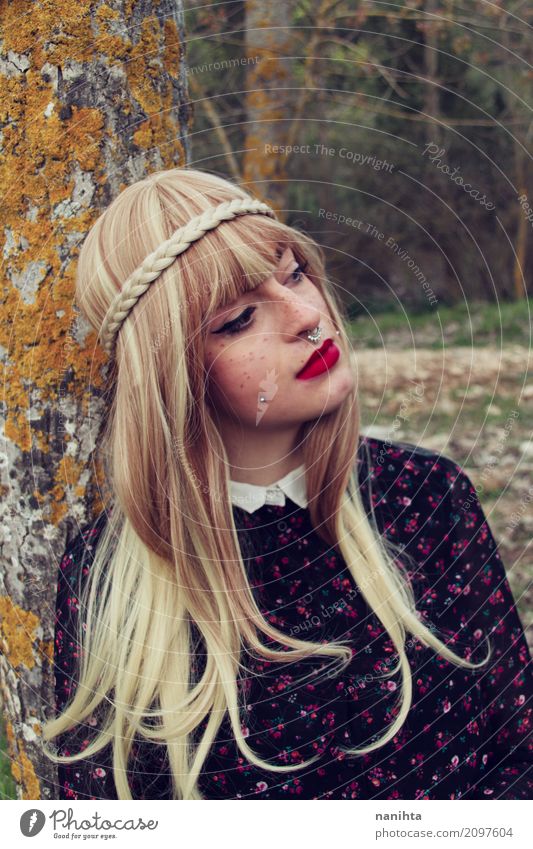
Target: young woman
column 271, row 605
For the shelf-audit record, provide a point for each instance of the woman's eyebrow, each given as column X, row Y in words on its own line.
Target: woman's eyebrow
column 284, row 267
column 280, row 270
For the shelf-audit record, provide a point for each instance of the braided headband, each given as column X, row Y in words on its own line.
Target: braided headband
column 156, row 262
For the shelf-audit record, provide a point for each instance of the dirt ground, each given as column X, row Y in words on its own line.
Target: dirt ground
column 474, row 405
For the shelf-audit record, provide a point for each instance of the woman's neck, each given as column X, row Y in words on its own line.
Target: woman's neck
column 265, row 468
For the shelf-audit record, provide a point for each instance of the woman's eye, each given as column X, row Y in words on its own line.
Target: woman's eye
column 238, row 323
column 300, row 271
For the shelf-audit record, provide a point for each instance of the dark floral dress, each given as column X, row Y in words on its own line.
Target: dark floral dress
column 468, row 733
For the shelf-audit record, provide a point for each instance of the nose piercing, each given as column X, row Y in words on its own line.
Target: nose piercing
column 313, row 336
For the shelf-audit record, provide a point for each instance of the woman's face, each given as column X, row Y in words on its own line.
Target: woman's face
column 256, row 346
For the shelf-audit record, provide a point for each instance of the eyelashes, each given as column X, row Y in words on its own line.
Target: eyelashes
column 240, row 323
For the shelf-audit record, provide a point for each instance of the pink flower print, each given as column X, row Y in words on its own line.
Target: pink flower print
column 262, row 785
column 477, row 633
column 391, row 685
column 99, row 772
column 455, row 760
column 446, row 705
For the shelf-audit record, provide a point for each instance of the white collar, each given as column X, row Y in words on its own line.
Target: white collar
column 251, row 496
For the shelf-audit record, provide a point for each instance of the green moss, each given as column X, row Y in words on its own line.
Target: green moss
column 7, row 785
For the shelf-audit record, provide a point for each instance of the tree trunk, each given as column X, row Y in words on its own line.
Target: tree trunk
column 431, row 69
column 269, row 43
column 93, row 99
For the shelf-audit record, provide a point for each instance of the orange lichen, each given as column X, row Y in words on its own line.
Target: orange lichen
column 17, row 633
column 12, row 751
column 45, row 650
column 22, row 768
column 143, row 136
column 172, row 50
column 144, row 66
column 44, row 144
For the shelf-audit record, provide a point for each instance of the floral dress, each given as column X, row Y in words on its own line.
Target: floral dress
column 468, row 732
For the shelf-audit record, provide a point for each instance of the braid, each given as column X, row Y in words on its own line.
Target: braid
column 156, row 262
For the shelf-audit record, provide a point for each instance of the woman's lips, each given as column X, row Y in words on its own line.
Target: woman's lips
column 320, row 360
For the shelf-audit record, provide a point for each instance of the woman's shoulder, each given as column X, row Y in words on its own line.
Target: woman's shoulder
column 403, row 476
column 405, row 465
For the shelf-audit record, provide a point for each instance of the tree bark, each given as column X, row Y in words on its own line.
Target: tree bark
column 270, row 42
column 94, row 97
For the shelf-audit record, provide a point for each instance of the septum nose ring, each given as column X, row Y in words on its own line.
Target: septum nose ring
column 313, row 336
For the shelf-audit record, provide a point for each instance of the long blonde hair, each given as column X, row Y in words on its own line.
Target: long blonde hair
column 168, row 560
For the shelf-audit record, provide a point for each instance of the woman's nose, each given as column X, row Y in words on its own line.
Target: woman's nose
column 296, row 315
column 299, row 317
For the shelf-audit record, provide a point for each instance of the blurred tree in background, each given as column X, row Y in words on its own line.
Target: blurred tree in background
column 411, row 119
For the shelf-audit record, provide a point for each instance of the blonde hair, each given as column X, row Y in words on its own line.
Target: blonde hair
column 168, row 561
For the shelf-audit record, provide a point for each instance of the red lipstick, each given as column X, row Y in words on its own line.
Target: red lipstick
column 319, row 361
